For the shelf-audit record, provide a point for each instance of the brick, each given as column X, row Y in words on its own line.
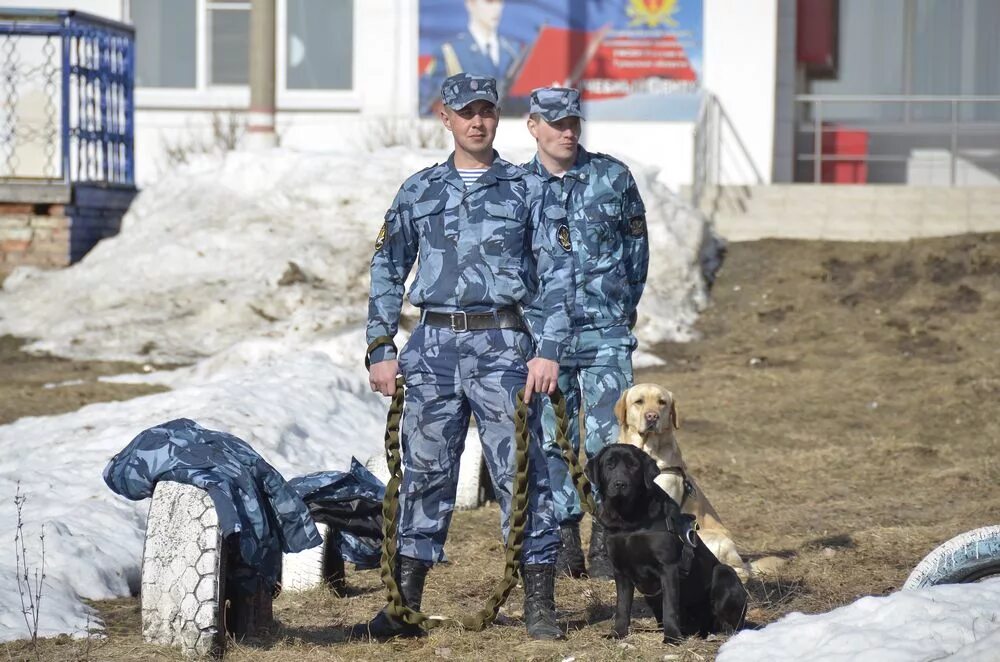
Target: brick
column 17, row 234
column 16, row 208
column 47, row 221
column 13, row 222
column 13, row 245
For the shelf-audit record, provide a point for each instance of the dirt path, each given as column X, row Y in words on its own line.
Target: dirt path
column 42, row 385
column 840, row 410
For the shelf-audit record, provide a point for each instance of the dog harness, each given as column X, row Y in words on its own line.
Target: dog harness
column 689, row 488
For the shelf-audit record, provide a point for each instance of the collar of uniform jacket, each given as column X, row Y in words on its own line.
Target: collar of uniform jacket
column 580, row 170
column 500, row 169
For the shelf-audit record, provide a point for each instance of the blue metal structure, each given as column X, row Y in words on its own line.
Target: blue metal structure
column 96, row 67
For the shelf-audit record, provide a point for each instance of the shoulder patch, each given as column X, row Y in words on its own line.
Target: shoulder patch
column 380, row 239
column 564, row 240
column 637, row 226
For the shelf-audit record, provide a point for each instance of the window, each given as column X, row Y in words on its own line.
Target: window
column 165, row 43
column 320, row 47
column 229, row 41
column 916, row 47
column 204, row 46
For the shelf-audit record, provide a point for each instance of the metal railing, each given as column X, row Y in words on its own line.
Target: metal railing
column 66, row 84
column 912, row 129
column 719, row 153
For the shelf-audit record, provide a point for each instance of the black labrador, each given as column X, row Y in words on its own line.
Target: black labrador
column 650, row 547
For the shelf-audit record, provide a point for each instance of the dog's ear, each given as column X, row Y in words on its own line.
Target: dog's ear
column 620, row 407
column 674, row 421
column 650, row 471
column 591, row 471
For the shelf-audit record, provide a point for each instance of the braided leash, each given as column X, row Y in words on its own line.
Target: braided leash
column 519, row 512
column 390, row 523
column 570, row 456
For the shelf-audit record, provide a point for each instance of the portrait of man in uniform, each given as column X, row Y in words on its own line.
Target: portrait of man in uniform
column 478, row 49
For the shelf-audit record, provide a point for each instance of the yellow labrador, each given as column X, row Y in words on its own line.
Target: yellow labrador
column 647, row 417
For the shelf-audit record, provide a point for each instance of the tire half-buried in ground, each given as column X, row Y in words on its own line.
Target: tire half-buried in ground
column 969, row 557
column 186, row 599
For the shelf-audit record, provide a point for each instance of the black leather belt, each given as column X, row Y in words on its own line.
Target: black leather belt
column 506, row 318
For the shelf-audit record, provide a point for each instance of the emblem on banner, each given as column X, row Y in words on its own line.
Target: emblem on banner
column 380, row 239
column 564, row 238
column 652, row 13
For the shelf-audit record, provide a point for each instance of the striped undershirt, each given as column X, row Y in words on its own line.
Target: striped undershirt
column 469, row 175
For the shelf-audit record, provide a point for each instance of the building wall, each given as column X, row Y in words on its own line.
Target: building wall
column 741, row 54
column 743, row 78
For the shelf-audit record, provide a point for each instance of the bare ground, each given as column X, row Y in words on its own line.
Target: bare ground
column 839, row 410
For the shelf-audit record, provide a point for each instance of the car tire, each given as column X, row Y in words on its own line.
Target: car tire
column 322, row 565
column 969, row 557
column 186, row 598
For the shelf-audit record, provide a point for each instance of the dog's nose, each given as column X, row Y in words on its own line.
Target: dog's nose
column 652, row 416
column 619, row 484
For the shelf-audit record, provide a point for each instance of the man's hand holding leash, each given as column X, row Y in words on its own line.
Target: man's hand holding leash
column 382, row 377
column 543, row 377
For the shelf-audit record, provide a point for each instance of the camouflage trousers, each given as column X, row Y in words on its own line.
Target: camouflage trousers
column 450, row 375
column 592, row 375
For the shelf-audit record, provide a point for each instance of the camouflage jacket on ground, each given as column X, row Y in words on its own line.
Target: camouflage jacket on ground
column 351, row 504
column 607, row 222
column 477, row 249
column 241, row 484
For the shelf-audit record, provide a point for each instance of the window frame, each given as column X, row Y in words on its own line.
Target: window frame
column 237, row 97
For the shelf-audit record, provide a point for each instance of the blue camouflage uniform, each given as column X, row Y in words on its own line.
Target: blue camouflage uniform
column 251, row 498
column 481, row 248
column 606, row 217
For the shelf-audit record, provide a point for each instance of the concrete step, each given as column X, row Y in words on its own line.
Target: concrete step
column 850, row 213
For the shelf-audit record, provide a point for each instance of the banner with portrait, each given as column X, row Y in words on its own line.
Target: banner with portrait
column 631, row 59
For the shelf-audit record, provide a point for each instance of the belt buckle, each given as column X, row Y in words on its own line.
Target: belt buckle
column 465, row 321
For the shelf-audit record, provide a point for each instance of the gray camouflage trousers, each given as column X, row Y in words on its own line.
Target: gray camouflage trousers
column 450, row 375
column 595, row 370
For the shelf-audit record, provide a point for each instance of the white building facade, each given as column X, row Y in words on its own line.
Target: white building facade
column 904, row 92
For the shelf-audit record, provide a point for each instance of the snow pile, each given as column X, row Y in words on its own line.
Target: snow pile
column 276, row 245
column 300, row 411
column 959, row 622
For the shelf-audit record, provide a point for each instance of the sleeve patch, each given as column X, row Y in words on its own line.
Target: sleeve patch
column 637, row 226
column 380, row 239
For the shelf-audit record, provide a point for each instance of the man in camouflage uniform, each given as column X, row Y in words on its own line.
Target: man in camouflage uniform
column 484, row 251
column 598, row 197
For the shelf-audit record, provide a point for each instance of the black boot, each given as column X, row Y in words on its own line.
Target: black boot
column 539, row 601
column 570, row 559
column 597, row 555
column 410, row 576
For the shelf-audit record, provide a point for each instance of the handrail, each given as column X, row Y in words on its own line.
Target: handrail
column 952, row 126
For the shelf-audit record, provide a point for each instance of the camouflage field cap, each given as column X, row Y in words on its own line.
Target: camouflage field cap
column 555, row 103
column 460, row 90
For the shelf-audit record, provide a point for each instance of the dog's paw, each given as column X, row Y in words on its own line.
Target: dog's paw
column 615, row 634
column 672, row 637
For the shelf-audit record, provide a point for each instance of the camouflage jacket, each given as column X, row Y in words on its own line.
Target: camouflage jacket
column 477, row 249
column 241, row 484
column 351, row 504
column 607, row 224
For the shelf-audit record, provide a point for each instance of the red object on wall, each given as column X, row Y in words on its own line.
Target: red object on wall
column 840, row 141
column 816, row 36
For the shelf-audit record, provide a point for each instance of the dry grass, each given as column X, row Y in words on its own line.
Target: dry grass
column 864, row 434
